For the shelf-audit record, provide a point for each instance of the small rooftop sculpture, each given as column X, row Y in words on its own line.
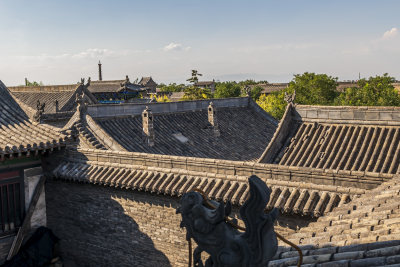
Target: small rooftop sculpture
column 81, row 103
column 207, row 223
column 39, row 111
column 290, row 98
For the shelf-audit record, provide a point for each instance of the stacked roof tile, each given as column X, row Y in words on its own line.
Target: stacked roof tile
column 363, row 232
column 64, row 95
column 235, row 124
column 339, row 138
column 244, row 130
column 18, row 135
column 289, row 197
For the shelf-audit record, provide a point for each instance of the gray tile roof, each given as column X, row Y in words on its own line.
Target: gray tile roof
column 347, row 138
column 97, row 87
column 145, row 80
column 289, row 197
column 64, row 94
column 374, row 216
column 49, row 98
column 244, row 133
column 361, row 255
column 20, row 136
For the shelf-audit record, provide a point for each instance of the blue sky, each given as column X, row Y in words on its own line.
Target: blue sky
column 59, row 42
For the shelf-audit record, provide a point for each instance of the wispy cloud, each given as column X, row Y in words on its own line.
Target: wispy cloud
column 94, row 53
column 175, row 47
column 390, row 34
column 89, row 53
column 276, row 47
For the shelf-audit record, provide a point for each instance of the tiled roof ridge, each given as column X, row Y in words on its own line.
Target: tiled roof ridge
column 303, row 201
column 55, row 100
column 19, row 135
column 90, row 133
column 216, row 102
column 104, row 138
column 228, row 167
column 44, row 88
column 376, row 115
column 107, row 81
column 72, row 100
column 239, row 178
column 327, row 107
column 27, row 109
column 257, row 108
column 87, row 136
column 277, row 141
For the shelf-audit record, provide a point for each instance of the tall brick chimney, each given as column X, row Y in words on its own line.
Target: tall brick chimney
column 100, row 76
column 212, row 118
column 148, row 128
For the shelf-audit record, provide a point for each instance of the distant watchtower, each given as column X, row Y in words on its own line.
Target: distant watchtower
column 100, row 76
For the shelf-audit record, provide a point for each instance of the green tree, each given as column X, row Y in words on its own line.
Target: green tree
column 161, row 98
column 172, row 87
column 195, row 77
column 227, row 89
column 311, row 89
column 247, row 82
column 28, row 83
column 193, row 93
column 376, row 91
column 255, row 92
column 314, row 89
column 273, row 103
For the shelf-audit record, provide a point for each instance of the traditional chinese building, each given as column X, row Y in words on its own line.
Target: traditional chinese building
column 333, row 174
column 23, row 144
column 148, row 84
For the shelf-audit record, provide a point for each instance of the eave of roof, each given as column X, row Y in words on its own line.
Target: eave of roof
column 21, row 137
column 289, row 197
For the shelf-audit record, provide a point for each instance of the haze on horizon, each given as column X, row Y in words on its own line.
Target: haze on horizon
column 58, row 42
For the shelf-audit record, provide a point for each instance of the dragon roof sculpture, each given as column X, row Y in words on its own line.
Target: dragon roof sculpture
column 217, row 235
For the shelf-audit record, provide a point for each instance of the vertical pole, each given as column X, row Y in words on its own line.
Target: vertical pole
column 100, row 76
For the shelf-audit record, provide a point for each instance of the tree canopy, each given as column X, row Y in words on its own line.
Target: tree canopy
column 314, row 89
column 195, row 77
column 172, row 87
column 34, row 83
column 376, row 91
column 273, row 103
column 227, row 89
column 193, row 93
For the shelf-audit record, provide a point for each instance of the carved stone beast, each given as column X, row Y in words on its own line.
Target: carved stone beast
column 225, row 244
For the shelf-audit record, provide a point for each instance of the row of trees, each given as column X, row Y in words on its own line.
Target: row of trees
column 320, row 89
column 311, row 89
column 222, row 89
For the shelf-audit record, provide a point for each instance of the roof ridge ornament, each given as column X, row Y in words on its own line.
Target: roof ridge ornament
column 214, row 232
column 81, row 102
column 39, row 111
column 290, row 98
column 247, row 90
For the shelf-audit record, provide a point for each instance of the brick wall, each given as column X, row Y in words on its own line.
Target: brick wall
column 101, row 226
column 104, row 226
